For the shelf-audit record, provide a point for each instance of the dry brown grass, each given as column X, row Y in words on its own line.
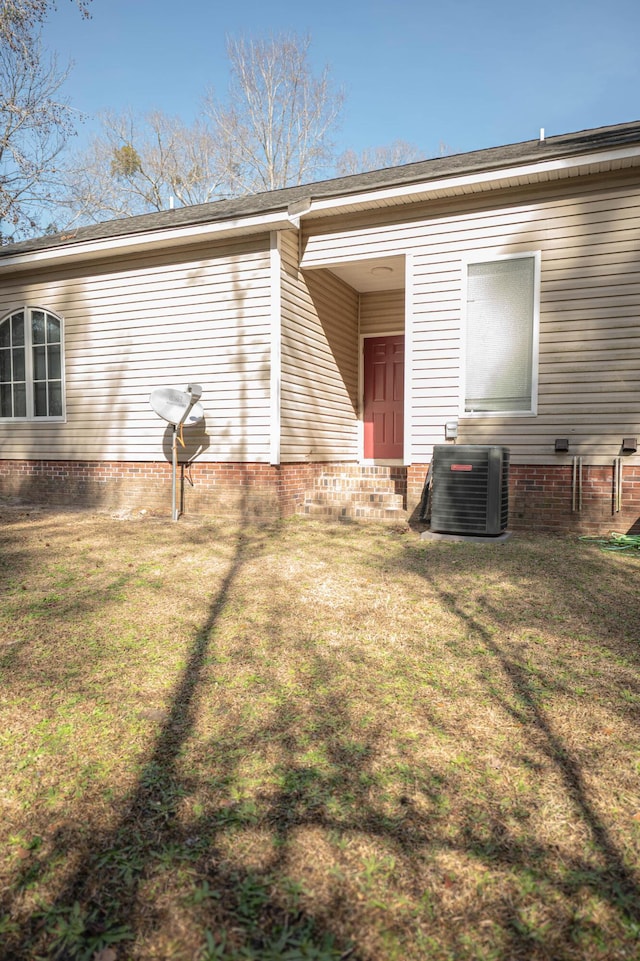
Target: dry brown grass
column 312, row 742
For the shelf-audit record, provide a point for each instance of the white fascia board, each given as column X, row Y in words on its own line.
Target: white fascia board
column 488, row 178
column 148, row 240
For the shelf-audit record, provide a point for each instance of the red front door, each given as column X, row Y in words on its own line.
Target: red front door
column 384, row 397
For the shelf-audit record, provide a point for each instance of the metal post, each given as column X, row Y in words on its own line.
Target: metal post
column 576, row 485
column 174, row 471
column 580, row 483
column 617, row 485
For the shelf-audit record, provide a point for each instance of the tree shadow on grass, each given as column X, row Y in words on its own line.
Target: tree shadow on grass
column 198, row 853
column 517, row 691
column 101, row 904
column 620, row 883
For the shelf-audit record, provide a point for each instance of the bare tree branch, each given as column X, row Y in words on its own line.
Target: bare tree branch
column 276, row 124
column 137, row 165
column 21, row 19
column 272, row 132
column 35, row 123
column 377, row 158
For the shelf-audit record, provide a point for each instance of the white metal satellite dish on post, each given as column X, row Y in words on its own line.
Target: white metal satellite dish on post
column 180, row 409
column 175, row 406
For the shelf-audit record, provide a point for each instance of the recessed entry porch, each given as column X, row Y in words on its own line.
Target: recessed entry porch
column 380, row 285
column 375, row 485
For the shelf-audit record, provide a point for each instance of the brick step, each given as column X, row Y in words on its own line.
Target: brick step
column 357, row 493
column 355, row 512
column 357, row 497
column 341, row 468
column 356, row 483
column 352, row 470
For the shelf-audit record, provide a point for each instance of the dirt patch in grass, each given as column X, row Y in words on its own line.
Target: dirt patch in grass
column 314, row 741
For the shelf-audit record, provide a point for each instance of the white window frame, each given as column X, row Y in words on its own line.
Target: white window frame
column 30, row 416
column 484, row 258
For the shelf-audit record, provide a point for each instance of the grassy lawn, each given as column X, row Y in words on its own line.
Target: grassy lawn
column 314, row 741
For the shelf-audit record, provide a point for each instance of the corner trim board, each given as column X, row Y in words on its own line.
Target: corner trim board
column 275, row 347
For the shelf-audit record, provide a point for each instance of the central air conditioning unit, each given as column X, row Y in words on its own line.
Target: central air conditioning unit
column 470, row 489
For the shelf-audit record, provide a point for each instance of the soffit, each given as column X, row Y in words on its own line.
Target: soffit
column 475, row 183
column 367, row 276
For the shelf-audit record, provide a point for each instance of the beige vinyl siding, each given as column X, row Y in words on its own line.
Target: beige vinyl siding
column 382, row 312
column 319, row 363
column 588, row 234
column 198, row 315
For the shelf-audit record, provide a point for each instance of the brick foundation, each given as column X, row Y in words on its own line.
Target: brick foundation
column 540, row 497
column 252, row 491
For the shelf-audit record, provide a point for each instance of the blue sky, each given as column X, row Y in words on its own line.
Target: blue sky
column 458, row 72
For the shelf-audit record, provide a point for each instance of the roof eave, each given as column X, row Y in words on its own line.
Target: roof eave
column 145, row 241
column 310, row 207
column 538, row 171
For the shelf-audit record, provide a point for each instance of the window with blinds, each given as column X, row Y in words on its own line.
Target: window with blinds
column 501, row 334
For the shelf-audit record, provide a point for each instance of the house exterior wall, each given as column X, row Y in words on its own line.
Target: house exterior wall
column 239, row 492
column 319, row 363
column 200, row 314
column 207, row 314
column 382, row 312
column 588, row 235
